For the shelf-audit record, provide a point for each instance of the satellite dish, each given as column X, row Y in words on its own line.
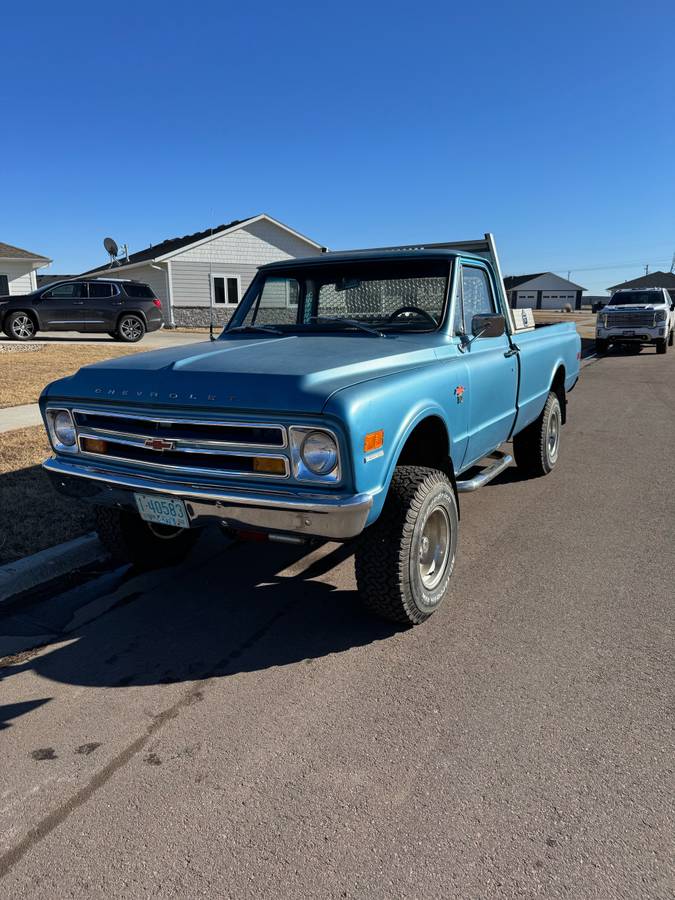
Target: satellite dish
column 110, row 246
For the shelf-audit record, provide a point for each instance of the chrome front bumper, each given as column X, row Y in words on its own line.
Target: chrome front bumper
column 330, row 516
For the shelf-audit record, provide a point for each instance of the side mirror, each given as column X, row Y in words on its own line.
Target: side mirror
column 488, row 325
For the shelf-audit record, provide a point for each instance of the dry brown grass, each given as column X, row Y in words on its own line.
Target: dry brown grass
column 32, row 515
column 24, row 375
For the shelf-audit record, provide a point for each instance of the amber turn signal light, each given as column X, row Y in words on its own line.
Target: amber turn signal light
column 373, row 441
column 94, row 445
column 269, row 466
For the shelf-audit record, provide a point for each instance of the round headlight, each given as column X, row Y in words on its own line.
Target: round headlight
column 64, row 429
column 319, row 453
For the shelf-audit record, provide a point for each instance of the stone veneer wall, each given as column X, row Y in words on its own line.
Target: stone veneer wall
column 197, row 316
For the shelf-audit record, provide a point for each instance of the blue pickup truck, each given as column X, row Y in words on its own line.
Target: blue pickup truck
column 351, row 396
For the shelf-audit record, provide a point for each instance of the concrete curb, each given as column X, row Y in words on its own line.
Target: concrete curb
column 31, row 571
column 15, row 417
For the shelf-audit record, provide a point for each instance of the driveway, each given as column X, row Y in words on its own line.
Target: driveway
column 237, row 727
column 154, row 340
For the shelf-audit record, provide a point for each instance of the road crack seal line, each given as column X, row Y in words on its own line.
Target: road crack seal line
column 51, row 821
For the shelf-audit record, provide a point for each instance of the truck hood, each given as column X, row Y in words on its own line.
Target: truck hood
column 293, row 373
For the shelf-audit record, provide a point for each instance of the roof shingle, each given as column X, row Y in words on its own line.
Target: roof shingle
column 171, row 244
column 10, row 252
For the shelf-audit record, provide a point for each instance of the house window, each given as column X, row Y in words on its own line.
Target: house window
column 4, row 285
column 226, row 289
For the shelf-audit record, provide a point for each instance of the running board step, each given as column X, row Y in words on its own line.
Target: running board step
column 499, row 462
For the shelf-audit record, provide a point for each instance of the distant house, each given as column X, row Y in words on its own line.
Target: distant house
column 217, row 264
column 18, row 268
column 654, row 279
column 543, row 290
column 43, row 280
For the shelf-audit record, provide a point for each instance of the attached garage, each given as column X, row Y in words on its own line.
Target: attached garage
column 542, row 290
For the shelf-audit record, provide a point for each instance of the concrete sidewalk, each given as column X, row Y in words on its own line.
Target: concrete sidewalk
column 15, row 417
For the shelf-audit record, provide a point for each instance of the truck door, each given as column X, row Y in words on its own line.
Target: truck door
column 493, row 376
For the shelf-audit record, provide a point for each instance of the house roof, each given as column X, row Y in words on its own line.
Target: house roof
column 654, row 279
column 8, row 251
column 515, row 281
column 42, row 280
column 171, row 246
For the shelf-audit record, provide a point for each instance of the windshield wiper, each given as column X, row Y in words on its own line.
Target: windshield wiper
column 265, row 328
column 351, row 323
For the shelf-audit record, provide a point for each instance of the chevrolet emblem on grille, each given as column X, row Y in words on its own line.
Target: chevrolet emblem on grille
column 159, row 444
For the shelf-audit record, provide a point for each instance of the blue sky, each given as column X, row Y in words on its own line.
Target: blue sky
column 358, row 124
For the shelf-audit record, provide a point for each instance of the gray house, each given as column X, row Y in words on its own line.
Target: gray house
column 654, row 279
column 543, row 290
column 18, row 268
column 216, row 266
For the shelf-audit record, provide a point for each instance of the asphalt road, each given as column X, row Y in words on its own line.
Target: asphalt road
column 237, row 727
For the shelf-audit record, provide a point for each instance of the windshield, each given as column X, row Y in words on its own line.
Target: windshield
column 370, row 297
column 636, row 298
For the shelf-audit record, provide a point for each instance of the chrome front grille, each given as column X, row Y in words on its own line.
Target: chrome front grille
column 639, row 319
column 190, row 445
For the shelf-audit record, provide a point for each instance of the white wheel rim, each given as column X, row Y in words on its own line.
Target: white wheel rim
column 434, row 549
column 553, row 434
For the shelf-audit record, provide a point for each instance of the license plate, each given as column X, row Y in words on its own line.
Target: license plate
column 162, row 510
column 629, row 334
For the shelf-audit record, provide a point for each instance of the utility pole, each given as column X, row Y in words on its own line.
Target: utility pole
column 647, row 269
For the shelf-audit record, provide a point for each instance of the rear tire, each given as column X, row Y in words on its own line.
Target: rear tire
column 662, row 346
column 601, row 345
column 127, row 538
column 536, row 449
column 130, row 329
column 19, row 326
column 404, row 561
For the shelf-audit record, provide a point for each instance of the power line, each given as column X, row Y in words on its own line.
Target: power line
column 631, row 265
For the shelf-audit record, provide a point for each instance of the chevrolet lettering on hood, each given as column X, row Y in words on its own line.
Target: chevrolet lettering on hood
column 154, row 395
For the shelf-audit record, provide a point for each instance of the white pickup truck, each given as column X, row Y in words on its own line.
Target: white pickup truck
column 637, row 317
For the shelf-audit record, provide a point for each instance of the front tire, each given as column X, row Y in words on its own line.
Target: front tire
column 671, row 337
column 601, row 345
column 19, row 326
column 662, row 346
column 537, row 447
column 130, row 329
column 405, row 560
column 127, row 538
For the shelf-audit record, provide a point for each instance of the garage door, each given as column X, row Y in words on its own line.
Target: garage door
column 557, row 300
column 526, row 300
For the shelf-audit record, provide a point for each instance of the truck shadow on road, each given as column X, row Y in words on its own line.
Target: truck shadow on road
column 236, row 612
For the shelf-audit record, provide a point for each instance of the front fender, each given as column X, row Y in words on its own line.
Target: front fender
column 396, row 404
